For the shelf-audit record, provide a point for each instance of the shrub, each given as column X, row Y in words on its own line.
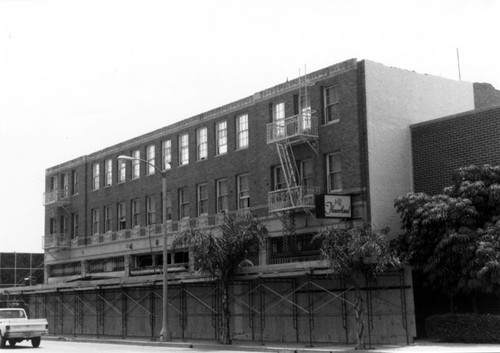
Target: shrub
column 469, row 328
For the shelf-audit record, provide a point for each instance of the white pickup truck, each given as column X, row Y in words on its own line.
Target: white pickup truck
column 16, row 327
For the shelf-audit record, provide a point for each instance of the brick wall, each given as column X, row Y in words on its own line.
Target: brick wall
column 443, row 145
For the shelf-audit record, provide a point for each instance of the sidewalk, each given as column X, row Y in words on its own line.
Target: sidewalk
column 277, row 347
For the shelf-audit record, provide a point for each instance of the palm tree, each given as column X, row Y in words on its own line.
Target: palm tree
column 221, row 253
column 354, row 253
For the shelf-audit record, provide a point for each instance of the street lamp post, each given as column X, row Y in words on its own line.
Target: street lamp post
column 165, row 332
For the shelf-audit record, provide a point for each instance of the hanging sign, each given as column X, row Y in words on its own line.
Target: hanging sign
column 333, row 206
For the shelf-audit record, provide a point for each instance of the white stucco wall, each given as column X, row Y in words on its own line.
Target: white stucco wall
column 395, row 99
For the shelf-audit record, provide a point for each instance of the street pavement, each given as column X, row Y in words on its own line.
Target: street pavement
column 239, row 346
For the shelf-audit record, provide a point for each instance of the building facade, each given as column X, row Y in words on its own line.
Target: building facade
column 461, row 140
column 339, row 135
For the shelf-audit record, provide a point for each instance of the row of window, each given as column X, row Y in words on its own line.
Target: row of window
column 334, row 184
column 331, row 115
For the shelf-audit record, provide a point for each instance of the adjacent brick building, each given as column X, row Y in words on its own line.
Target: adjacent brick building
column 342, row 131
column 441, row 146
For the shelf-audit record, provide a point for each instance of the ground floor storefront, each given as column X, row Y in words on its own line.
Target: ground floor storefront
column 306, row 308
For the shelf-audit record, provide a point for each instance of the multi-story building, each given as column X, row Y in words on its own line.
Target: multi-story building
column 339, row 135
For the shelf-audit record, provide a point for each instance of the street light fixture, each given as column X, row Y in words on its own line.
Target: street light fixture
column 165, row 332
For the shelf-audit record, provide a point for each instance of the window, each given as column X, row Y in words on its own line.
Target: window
column 332, row 104
column 122, row 169
column 150, row 157
column 167, row 155
column 307, row 173
column 64, row 185
column 306, row 114
column 168, row 208
column 95, row 176
column 334, row 172
column 279, row 119
column 202, row 199
column 221, row 137
column 63, row 225
column 135, row 212
column 242, row 131
column 201, row 144
column 108, row 219
column 53, row 225
column 54, row 183
column 74, row 182
column 222, row 196
column 108, row 171
column 278, row 178
column 151, row 211
column 95, row 221
column 183, row 203
column 74, row 225
column 136, row 164
column 243, row 191
column 122, row 219
column 183, row 149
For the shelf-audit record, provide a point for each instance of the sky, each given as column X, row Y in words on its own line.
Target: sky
column 77, row 76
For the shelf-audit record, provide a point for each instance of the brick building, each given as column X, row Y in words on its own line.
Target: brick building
column 440, row 146
column 340, row 132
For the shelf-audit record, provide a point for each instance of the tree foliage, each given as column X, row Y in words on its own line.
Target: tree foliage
column 221, row 253
column 454, row 238
column 356, row 253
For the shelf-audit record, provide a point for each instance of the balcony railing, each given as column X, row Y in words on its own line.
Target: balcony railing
column 56, row 197
column 56, row 241
column 292, row 198
column 294, row 128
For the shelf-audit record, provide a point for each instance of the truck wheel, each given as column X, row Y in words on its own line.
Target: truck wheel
column 35, row 341
column 12, row 343
column 3, row 341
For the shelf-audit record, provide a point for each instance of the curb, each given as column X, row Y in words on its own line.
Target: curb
column 206, row 345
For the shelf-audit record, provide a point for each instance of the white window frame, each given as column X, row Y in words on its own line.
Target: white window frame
column 122, row 171
column 221, row 138
column 184, row 149
column 307, row 179
column 202, row 143
column 333, row 168
column 334, row 104
column 202, row 196
column 150, row 158
column 279, row 118
column 95, row 176
column 222, row 195
column 108, row 172
column 108, row 219
column 136, row 164
column 150, row 211
column 243, row 194
column 121, row 216
column 74, row 182
column 167, row 154
column 279, row 182
column 242, row 133
column 95, row 221
column 135, row 213
column 183, row 203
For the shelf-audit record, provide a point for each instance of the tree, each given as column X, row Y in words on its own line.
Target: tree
column 356, row 253
column 453, row 238
column 221, row 253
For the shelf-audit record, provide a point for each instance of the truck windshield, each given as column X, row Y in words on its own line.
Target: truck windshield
column 12, row 314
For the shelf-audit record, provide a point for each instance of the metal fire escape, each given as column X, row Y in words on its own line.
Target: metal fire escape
column 285, row 134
